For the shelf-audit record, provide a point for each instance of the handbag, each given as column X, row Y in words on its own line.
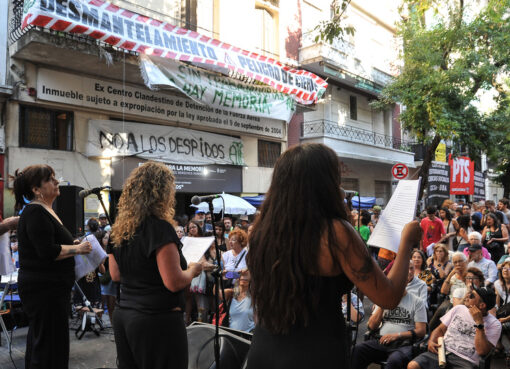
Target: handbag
column 198, row 284
column 504, row 310
column 230, row 276
column 105, row 278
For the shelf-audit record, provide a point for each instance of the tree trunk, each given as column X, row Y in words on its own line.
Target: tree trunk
column 424, row 170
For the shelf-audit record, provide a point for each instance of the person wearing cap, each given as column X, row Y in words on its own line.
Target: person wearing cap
column 103, row 223
column 468, row 330
column 488, row 267
column 244, row 220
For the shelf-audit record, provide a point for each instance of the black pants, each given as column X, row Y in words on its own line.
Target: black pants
column 372, row 351
column 150, row 341
column 48, row 330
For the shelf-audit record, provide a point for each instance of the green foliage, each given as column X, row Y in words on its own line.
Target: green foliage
column 333, row 28
column 447, row 64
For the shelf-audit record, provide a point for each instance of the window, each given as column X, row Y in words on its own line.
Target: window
column 268, row 153
column 382, row 192
column 268, row 35
column 189, row 14
column 350, row 184
column 46, row 129
column 353, row 107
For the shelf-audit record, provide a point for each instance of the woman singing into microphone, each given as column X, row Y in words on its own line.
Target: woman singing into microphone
column 304, row 255
column 147, row 260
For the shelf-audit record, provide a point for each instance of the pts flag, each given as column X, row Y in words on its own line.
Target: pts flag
column 462, row 175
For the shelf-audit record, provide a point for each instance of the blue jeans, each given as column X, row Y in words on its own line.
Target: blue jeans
column 372, row 351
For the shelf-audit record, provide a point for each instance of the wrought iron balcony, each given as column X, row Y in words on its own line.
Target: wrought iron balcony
column 325, row 128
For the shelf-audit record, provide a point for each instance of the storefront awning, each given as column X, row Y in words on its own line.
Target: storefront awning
column 106, row 22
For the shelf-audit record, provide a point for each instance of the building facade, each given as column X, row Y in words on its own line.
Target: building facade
column 368, row 142
column 77, row 101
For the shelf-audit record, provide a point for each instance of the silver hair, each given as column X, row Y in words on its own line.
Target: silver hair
column 460, row 254
column 475, row 234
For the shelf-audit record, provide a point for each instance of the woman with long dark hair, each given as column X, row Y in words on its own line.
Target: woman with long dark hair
column 147, row 260
column 303, row 256
column 46, row 274
column 494, row 236
column 463, row 231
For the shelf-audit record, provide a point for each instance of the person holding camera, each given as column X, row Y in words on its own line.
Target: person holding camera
column 46, row 275
column 234, row 260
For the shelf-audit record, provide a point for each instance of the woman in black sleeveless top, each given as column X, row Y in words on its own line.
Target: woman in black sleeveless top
column 46, row 272
column 147, row 260
column 303, row 256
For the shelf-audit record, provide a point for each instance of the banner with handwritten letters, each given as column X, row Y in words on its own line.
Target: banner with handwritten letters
column 216, row 90
column 108, row 138
column 106, row 22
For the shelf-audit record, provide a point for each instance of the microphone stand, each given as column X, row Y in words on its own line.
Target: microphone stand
column 218, row 275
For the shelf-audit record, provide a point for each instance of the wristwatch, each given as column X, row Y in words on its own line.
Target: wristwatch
column 479, row 326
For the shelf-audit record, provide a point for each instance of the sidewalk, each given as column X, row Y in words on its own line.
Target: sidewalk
column 90, row 352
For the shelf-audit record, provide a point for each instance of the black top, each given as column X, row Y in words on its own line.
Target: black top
column 321, row 344
column 141, row 286
column 40, row 237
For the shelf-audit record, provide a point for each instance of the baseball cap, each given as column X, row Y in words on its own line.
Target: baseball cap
column 199, row 212
column 475, row 247
column 243, row 217
column 487, row 295
column 102, row 215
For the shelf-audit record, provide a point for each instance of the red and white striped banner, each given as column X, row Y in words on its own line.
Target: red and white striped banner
column 119, row 27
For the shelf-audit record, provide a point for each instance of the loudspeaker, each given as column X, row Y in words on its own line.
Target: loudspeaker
column 233, row 347
column 69, row 208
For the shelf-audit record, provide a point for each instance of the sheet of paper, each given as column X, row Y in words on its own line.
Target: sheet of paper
column 88, row 263
column 195, row 247
column 400, row 210
column 6, row 263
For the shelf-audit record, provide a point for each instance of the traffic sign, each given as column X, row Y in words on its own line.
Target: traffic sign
column 399, row 171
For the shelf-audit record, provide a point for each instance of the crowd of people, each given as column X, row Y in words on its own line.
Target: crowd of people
column 458, row 275
column 287, row 275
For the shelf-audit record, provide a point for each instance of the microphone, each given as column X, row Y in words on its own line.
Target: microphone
column 195, row 200
column 96, row 190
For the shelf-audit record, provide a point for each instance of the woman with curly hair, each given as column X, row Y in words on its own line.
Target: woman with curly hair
column 303, row 255
column 147, row 260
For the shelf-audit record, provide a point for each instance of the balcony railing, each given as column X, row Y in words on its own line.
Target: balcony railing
column 321, row 127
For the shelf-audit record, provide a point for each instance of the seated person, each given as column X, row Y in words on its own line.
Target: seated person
column 488, row 267
column 475, row 238
column 399, row 328
column 474, row 279
column 241, row 308
column 468, row 330
column 455, row 280
column 357, row 311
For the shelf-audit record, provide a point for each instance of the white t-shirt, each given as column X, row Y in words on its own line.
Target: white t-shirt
column 410, row 310
column 230, row 261
column 460, row 335
column 501, row 292
column 419, row 288
column 455, row 283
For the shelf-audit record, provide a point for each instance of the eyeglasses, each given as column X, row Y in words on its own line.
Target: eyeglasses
column 193, row 227
column 233, row 239
column 505, row 269
column 458, row 262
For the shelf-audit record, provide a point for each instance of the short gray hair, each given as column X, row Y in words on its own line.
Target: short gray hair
column 475, row 234
column 460, row 254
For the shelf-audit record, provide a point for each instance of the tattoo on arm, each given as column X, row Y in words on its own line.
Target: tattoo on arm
column 363, row 274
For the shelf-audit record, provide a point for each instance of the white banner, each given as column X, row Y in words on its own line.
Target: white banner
column 106, row 22
column 99, row 94
column 108, row 138
column 216, row 90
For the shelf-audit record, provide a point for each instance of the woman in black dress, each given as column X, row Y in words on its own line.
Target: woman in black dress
column 303, row 256
column 46, row 272
column 147, row 260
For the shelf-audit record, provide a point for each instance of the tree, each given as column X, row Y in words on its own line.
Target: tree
column 450, row 56
column 332, row 29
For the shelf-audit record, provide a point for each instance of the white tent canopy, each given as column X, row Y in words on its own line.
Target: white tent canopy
column 233, row 205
